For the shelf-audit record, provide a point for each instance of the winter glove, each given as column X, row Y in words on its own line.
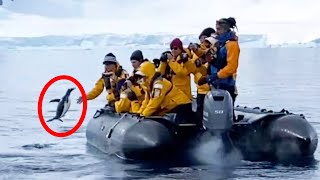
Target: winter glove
column 107, row 74
column 202, row 81
column 132, row 96
column 169, row 56
column 164, row 58
column 184, row 57
column 212, row 78
column 194, row 46
column 156, row 62
column 198, row 63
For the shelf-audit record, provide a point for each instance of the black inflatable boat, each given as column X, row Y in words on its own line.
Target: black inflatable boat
column 268, row 135
column 258, row 134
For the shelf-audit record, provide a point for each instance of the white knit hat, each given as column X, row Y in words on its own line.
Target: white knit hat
column 211, row 40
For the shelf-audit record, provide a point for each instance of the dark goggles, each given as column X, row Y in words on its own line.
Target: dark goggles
column 174, row 48
column 108, row 63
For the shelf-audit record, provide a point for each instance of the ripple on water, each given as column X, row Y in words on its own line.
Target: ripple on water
column 3, row 99
column 65, row 128
column 36, row 168
column 37, row 146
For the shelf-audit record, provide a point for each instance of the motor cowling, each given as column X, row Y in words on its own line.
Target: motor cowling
column 218, row 110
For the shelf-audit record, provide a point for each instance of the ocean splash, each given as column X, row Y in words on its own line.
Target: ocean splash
column 214, row 151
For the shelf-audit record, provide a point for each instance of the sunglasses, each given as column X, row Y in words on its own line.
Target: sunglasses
column 108, row 63
column 174, row 48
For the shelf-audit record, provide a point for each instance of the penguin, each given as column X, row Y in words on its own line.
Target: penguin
column 63, row 106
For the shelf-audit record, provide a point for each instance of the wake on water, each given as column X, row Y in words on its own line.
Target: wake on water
column 212, row 152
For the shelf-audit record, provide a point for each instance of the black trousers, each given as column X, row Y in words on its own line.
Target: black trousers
column 184, row 113
column 231, row 90
column 199, row 112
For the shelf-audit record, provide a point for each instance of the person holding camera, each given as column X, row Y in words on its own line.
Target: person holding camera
column 200, row 49
column 225, row 64
column 112, row 79
column 132, row 94
column 199, row 67
column 223, row 67
column 162, row 96
column 172, row 66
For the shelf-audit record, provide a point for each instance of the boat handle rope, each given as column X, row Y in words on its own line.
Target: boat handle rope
column 112, row 128
column 98, row 113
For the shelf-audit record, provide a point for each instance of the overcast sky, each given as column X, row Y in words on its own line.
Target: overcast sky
column 287, row 19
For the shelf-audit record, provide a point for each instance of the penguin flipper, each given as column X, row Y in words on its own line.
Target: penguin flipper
column 55, row 100
column 60, row 120
column 51, row 119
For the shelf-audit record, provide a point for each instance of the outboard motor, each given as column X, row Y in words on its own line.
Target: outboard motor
column 218, row 116
column 218, row 110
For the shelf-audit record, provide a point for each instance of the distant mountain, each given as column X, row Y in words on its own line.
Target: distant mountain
column 317, row 41
column 104, row 40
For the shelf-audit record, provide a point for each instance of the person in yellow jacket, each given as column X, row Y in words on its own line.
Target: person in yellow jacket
column 198, row 67
column 172, row 66
column 132, row 94
column 208, row 40
column 128, row 101
column 200, row 50
column 112, row 79
column 162, row 96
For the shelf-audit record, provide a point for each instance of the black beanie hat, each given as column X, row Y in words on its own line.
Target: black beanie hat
column 110, row 58
column 207, row 32
column 137, row 55
column 111, row 54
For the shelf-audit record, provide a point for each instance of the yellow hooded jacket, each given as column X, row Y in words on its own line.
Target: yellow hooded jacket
column 205, row 88
column 179, row 74
column 124, row 104
column 198, row 72
column 163, row 97
column 202, row 72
